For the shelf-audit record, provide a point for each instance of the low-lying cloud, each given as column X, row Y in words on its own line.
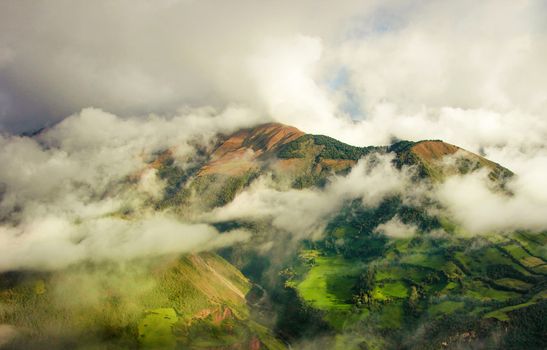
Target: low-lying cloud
column 395, row 228
column 472, row 203
column 305, row 212
column 65, row 190
column 51, row 243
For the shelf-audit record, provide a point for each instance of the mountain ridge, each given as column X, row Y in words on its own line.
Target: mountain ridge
column 241, row 151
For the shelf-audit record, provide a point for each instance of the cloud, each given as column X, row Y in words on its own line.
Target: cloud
column 433, row 58
column 411, row 70
column 305, row 212
column 415, row 71
column 137, row 57
column 151, row 184
column 361, row 73
column 395, row 228
column 285, row 73
column 62, row 191
column 89, row 153
column 479, row 209
column 55, row 242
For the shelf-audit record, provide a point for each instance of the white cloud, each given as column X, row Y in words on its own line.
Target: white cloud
column 136, row 57
column 61, row 188
column 91, row 152
column 395, row 228
column 480, row 210
column 306, row 212
column 151, row 184
column 285, row 73
column 56, row 242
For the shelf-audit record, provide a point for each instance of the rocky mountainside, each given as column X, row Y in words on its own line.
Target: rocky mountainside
column 241, row 151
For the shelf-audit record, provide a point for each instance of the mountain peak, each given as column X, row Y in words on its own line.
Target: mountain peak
column 236, row 154
column 262, row 138
column 432, row 150
column 441, row 159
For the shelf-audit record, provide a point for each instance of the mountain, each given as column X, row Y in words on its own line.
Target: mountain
column 238, row 154
column 287, row 149
column 158, row 303
column 399, row 273
column 357, row 287
column 439, row 159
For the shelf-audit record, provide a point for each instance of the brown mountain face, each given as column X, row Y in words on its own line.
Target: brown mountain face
column 441, row 159
column 238, row 154
column 433, row 150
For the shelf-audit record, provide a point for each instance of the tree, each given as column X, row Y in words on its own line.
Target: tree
column 412, row 303
column 363, row 287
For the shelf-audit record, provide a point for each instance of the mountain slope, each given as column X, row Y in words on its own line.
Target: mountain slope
column 388, row 275
column 438, row 159
column 238, row 153
column 151, row 304
column 376, row 291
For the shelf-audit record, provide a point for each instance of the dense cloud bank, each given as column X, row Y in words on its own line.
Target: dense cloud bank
column 65, row 190
column 472, row 74
column 469, row 73
column 65, row 193
column 472, row 203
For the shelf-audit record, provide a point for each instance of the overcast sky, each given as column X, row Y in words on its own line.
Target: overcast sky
column 473, row 72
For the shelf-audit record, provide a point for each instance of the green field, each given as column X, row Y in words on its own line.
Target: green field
column 513, row 283
column 387, row 290
column 391, row 316
column 435, row 262
column 155, row 330
column 328, row 284
column 391, row 273
column 502, row 314
column 445, row 307
column 535, row 243
column 480, row 291
column 477, row 261
column 532, row 263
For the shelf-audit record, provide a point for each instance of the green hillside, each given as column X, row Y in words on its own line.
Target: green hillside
column 356, row 288
column 349, row 286
column 440, row 280
column 197, row 301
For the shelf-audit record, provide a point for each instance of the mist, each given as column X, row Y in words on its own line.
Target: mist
column 479, row 209
column 305, row 213
column 65, row 191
